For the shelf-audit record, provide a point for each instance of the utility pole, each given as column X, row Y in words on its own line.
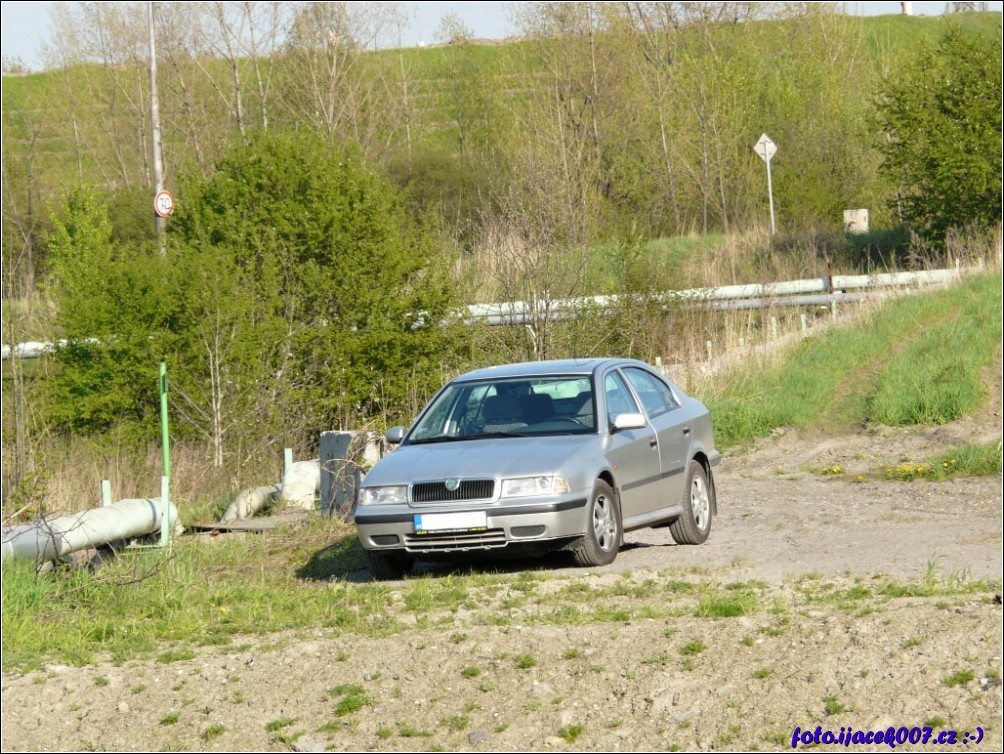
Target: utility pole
column 160, row 216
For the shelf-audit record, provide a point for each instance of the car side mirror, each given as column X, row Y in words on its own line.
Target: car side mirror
column 629, row 421
column 394, row 435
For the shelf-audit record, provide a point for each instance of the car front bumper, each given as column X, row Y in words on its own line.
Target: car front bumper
column 509, row 522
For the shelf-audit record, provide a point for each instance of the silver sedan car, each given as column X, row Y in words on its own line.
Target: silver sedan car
column 552, row 455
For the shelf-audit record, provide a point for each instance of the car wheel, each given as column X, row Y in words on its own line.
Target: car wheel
column 603, row 531
column 388, row 566
column 694, row 525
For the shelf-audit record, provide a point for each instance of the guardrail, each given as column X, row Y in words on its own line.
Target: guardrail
column 809, row 292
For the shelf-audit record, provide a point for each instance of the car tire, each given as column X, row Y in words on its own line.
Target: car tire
column 694, row 525
column 604, row 529
column 388, row 566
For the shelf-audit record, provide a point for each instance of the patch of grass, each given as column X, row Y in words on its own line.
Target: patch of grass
column 772, row 631
column 457, row 723
column 279, row 724
column 486, row 686
column 965, row 460
column 351, row 698
column 425, row 595
column 287, row 738
column 352, row 703
column 213, row 731
column 728, row 605
column 570, row 654
column 606, row 614
column 926, row 383
column 689, row 664
column 470, row 672
column 169, row 719
column 726, row 739
column 833, row 706
column 958, row 678
column 139, row 689
column 777, row 737
column 913, row 641
column 747, row 641
column 175, row 655
column 384, row 732
column 826, row 593
column 761, row 673
column 100, row 681
column 891, row 369
column 525, row 662
column 933, row 585
column 693, row 648
column 202, row 596
column 346, row 689
column 570, row 733
column 410, row 731
column 936, row 722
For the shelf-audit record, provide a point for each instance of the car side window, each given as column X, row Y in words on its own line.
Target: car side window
column 655, row 396
column 619, row 400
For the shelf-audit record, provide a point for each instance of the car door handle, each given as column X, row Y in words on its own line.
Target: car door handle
column 686, row 430
column 653, row 442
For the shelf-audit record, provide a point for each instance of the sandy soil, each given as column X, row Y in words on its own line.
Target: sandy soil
column 867, row 663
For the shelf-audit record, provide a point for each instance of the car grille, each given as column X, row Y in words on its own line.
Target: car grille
column 454, row 542
column 469, row 489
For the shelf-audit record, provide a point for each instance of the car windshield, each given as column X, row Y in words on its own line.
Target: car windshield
column 513, row 407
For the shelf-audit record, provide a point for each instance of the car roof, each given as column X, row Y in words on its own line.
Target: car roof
column 541, row 368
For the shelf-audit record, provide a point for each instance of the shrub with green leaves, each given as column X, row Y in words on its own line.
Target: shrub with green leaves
column 940, row 114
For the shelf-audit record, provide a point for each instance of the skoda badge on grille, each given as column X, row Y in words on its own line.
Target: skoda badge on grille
column 452, row 484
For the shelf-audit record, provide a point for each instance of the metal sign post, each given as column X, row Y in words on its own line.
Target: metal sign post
column 766, row 149
column 165, row 480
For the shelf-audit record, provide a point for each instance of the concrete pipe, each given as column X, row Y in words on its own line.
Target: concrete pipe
column 54, row 538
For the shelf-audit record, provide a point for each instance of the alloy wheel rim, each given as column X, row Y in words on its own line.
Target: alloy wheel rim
column 700, row 504
column 604, row 526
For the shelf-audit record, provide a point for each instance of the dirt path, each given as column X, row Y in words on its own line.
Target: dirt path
column 826, row 646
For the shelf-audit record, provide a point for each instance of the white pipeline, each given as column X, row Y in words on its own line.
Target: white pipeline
column 53, row 538
column 249, row 501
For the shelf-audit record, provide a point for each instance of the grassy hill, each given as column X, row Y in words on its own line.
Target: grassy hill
column 919, row 360
column 87, row 123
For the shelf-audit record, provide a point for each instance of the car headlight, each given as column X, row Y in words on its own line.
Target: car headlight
column 534, row 485
column 396, row 495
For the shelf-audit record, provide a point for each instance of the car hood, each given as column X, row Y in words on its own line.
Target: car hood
column 486, row 458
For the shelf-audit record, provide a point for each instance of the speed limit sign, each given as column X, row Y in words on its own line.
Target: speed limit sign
column 163, row 203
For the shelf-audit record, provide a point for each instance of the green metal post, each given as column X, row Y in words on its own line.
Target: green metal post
column 165, row 482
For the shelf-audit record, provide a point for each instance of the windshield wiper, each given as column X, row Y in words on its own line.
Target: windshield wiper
column 457, row 438
column 484, row 435
column 436, row 438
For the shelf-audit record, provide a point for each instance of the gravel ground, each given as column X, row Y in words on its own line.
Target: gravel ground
column 792, row 534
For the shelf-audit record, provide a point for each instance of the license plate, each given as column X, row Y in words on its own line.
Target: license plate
column 426, row 523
